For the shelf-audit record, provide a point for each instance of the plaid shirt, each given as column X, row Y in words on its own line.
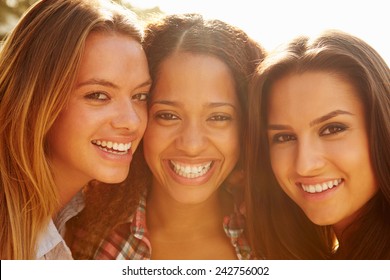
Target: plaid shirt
column 130, row 241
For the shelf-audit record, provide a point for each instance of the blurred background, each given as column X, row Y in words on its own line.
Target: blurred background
column 270, row 22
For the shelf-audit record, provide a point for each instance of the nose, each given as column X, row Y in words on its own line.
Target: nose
column 126, row 116
column 309, row 158
column 192, row 138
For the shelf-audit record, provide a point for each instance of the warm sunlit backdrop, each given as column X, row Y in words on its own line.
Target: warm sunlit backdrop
column 272, row 22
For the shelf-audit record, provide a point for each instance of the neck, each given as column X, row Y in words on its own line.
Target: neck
column 185, row 231
column 67, row 186
column 340, row 228
column 167, row 216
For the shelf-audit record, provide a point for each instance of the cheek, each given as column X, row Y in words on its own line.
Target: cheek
column 154, row 141
column 143, row 116
column 80, row 118
column 63, row 128
column 156, row 134
column 229, row 143
column 63, row 139
column 283, row 167
column 350, row 154
column 280, row 162
column 232, row 152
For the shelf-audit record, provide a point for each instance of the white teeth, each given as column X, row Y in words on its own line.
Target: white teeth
column 321, row 187
column 191, row 171
column 113, row 147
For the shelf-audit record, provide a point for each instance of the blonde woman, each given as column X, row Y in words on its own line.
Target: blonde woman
column 74, row 82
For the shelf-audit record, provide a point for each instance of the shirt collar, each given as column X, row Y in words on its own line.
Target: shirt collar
column 48, row 240
column 138, row 221
column 55, row 230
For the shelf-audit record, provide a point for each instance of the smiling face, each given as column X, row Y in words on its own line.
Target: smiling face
column 101, row 126
column 192, row 139
column 319, row 147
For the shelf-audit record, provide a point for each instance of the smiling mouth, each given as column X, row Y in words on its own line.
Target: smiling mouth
column 318, row 188
column 112, row 147
column 190, row 170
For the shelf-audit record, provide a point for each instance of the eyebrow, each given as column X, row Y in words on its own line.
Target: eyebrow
column 178, row 104
column 146, row 83
column 313, row 122
column 106, row 83
column 100, row 82
column 329, row 116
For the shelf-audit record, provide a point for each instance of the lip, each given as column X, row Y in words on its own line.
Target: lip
column 111, row 146
column 115, row 149
column 319, row 186
column 190, row 170
column 191, row 173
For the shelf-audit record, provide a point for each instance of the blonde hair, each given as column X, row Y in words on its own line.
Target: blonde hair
column 39, row 62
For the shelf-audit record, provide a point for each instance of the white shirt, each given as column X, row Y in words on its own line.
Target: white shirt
column 51, row 244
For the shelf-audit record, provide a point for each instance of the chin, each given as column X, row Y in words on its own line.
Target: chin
column 191, row 199
column 320, row 221
column 112, row 179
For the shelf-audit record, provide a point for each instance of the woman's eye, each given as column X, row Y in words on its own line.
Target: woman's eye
column 141, row 96
column 333, row 129
column 167, row 116
column 97, row 96
column 220, row 118
column 282, row 138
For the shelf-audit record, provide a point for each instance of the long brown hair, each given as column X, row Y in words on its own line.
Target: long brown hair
column 39, row 62
column 278, row 227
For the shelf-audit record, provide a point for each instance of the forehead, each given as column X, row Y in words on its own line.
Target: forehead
column 195, row 75
column 311, row 94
